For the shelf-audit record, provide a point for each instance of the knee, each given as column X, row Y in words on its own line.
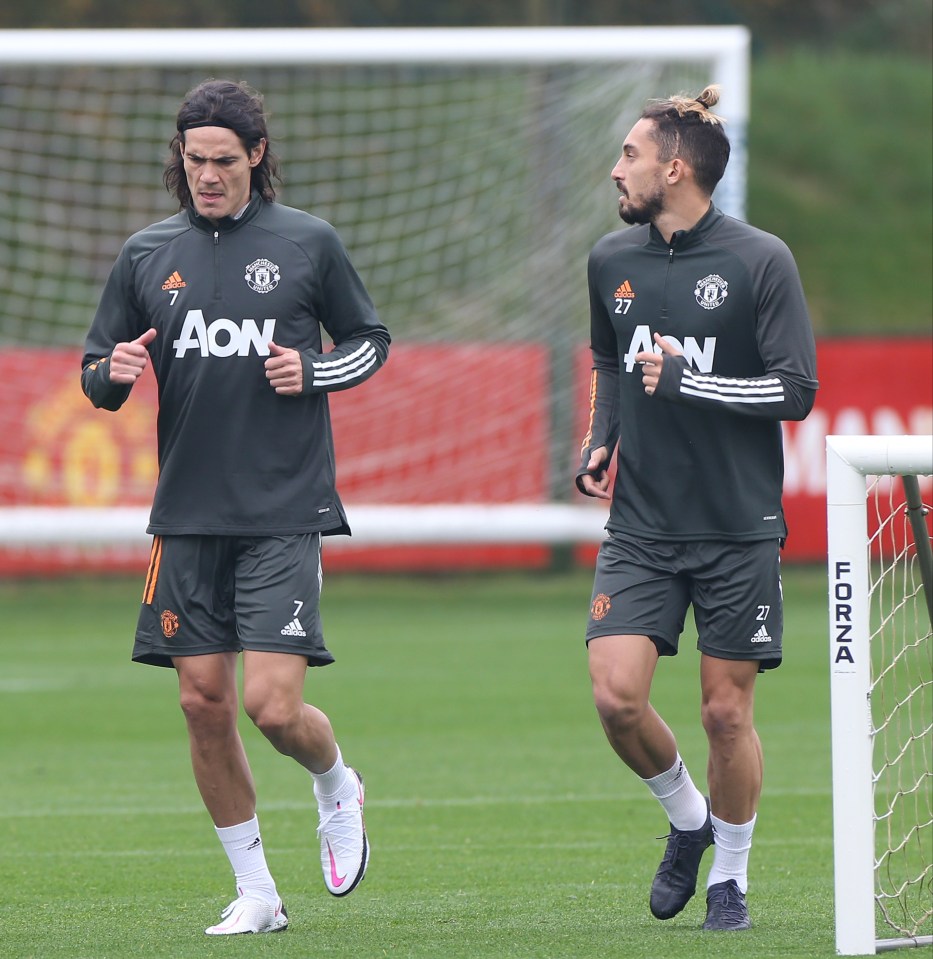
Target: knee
column 207, row 708
column 725, row 719
column 270, row 716
column 618, row 709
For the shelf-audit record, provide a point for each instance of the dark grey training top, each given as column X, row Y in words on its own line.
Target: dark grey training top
column 703, row 457
column 235, row 458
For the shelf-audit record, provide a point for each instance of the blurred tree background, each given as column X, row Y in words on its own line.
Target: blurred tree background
column 840, row 136
column 904, row 25
column 775, row 24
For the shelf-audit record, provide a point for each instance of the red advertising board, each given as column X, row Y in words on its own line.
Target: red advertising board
column 442, row 423
column 870, row 386
column 876, row 387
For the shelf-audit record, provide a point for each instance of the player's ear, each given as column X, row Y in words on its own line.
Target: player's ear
column 676, row 171
column 257, row 153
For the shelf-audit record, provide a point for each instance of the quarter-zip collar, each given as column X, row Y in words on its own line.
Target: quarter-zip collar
column 228, row 223
column 684, row 239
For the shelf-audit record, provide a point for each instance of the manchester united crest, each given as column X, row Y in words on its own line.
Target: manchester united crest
column 169, row 623
column 711, row 291
column 262, row 276
column 601, row 606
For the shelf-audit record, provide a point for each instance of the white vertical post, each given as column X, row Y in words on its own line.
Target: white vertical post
column 850, row 677
column 732, row 69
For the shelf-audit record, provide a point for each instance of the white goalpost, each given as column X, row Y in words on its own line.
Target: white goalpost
column 467, row 171
column 881, row 669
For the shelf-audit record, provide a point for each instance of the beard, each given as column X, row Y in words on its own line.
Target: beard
column 649, row 210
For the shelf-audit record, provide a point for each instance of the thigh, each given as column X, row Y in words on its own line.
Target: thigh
column 638, row 591
column 278, row 596
column 187, row 607
column 211, row 678
column 737, row 601
column 270, row 677
column 622, row 667
column 729, row 683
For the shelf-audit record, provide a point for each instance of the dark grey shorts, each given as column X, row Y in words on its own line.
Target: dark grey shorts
column 209, row 594
column 644, row 588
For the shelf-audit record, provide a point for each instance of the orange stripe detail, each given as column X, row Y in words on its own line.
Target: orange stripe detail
column 589, row 426
column 152, row 575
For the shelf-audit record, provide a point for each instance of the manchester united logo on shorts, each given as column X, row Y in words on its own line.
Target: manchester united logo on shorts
column 169, row 623
column 601, row 605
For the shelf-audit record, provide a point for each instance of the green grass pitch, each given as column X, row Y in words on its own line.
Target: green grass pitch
column 501, row 823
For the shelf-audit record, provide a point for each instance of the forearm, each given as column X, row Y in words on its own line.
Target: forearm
column 603, row 422
column 774, row 395
column 103, row 394
column 350, row 363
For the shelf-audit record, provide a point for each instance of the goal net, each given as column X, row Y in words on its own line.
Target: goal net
column 881, row 662
column 467, row 171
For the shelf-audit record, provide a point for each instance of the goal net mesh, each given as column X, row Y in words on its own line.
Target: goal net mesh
column 467, row 194
column 901, row 694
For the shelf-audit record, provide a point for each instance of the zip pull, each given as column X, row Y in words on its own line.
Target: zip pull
column 217, row 238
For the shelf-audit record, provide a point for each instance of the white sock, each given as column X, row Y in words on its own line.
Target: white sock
column 243, row 846
column 335, row 784
column 684, row 804
column 730, row 853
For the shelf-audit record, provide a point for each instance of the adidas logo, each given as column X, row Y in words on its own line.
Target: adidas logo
column 294, row 628
column 174, row 282
column 625, row 291
column 761, row 636
column 256, row 842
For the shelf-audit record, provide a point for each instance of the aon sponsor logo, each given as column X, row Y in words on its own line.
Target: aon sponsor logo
column 699, row 356
column 223, row 337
